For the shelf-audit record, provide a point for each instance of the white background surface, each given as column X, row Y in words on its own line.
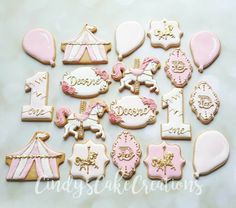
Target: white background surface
column 64, row 19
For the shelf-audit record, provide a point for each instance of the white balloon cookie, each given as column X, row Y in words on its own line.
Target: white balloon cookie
column 129, row 36
column 133, row 112
column 211, row 151
column 88, row 161
column 85, row 82
column 165, row 34
column 204, row 102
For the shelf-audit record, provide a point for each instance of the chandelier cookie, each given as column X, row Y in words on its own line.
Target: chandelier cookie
column 126, row 154
column 37, row 110
column 164, row 162
column 175, row 128
column 211, row 151
column 35, row 162
column 40, row 44
column 165, row 34
column 178, row 68
column 129, row 36
column 88, row 119
column 85, row 82
column 133, row 112
column 86, row 48
column 88, row 161
column 132, row 78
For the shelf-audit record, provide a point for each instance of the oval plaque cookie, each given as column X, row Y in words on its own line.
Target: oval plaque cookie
column 133, row 112
column 85, row 82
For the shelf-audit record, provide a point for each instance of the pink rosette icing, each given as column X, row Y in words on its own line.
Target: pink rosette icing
column 114, row 118
column 67, row 88
column 102, row 73
column 150, row 103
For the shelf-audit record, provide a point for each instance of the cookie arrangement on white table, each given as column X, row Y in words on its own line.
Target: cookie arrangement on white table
column 89, row 160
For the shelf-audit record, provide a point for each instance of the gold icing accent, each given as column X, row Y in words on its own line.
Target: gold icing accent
column 166, row 33
column 126, row 153
column 205, row 102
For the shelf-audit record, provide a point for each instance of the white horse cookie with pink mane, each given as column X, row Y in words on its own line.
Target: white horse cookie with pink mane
column 88, row 119
column 35, row 162
column 85, row 82
column 178, row 68
column 88, row 161
column 133, row 112
column 164, row 162
column 132, row 78
column 126, row 154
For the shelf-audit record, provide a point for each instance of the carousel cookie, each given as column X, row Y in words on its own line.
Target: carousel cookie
column 131, row 78
column 165, row 34
column 35, row 162
column 88, row 161
column 129, row 36
column 178, row 68
column 133, row 112
column 85, row 82
column 164, row 162
column 88, row 119
column 37, row 110
column 86, row 48
column 126, row 154
column 204, row 102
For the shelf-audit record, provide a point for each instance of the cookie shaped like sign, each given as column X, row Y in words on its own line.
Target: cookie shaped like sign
column 85, row 82
column 133, row 112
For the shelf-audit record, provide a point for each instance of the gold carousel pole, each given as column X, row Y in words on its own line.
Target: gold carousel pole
column 137, row 83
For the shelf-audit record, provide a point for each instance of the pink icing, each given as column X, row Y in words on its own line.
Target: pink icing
column 102, row 73
column 61, row 116
column 150, row 103
column 205, row 47
column 118, row 70
column 114, row 118
column 40, row 44
column 66, row 88
column 147, row 60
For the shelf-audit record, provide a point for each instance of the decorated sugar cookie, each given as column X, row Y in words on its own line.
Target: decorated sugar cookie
column 35, row 162
column 129, row 37
column 164, row 162
column 126, row 154
column 85, row 82
column 204, row 102
column 178, row 68
column 37, row 110
column 165, row 34
column 88, row 119
column 205, row 47
column 211, row 151
column 131, row 78
column 175, row 128
column 86, row 48
column 133, row 112
column 40, row 44
column 88, row 161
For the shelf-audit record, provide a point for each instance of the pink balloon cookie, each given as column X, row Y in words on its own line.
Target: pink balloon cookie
column 205, row 47
column 178, row 68
column 126, row 154
column 40, row 44
column 164, row 162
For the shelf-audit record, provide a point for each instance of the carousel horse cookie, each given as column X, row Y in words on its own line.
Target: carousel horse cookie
column 88, row 161
column 88, row 119
column 133, row 77
column 86, row 49
column 35, row 162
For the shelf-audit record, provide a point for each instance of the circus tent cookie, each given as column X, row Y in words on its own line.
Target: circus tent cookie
column 86, row 49
column 133, row 112
column 178, row 68
column 131, row 78
column 35, row 162
column 40, row 44
column 126, row 154
column 165, row 34
column 205, row 47
column 211, row 151
column 37, row 110
column 85, row 82
column 204, row 102
column 88, row 161
column 129, row 36
column 175, row 128
column 88, row 119
column 164, row 162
